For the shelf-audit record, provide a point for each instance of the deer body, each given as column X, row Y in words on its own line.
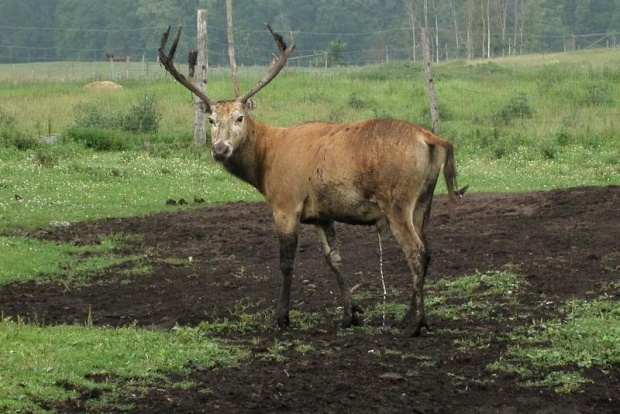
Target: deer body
column 374, row 172
column 335, row 172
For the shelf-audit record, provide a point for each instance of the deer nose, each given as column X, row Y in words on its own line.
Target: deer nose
column 220, row 151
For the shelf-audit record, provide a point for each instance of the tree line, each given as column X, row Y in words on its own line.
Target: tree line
column 327, row 31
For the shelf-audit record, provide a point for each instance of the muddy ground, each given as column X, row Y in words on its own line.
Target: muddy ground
column 564, row 243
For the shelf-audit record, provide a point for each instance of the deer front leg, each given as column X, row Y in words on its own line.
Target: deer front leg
column 327, row 235
column 287, row 235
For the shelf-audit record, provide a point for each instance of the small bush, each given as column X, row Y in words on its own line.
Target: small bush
column 45, row 158
column 99, row 139
column 549, row 151
column 91, row 116
column 142, row 117
column 10, row 137
column 517, row 107
column 355, row 102
column 564, row 138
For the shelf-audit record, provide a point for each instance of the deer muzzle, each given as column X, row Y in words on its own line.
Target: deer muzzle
column 220, row 151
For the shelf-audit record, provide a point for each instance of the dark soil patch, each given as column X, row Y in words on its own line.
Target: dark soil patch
column 565, row 243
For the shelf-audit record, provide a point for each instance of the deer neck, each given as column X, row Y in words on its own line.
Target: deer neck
column 248, row 162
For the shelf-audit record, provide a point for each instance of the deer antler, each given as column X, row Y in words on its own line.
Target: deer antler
column 276, row 65
column 168, row 64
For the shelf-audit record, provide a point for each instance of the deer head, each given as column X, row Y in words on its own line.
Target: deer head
column 229, row 119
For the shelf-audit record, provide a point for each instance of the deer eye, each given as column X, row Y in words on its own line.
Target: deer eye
column 240, row 118
column 211, row 121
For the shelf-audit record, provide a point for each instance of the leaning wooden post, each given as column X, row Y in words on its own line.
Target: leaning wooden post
column 429, row 80
column 200, row 130
column 231, row 46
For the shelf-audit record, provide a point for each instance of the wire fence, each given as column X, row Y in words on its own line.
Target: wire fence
column 138, row 59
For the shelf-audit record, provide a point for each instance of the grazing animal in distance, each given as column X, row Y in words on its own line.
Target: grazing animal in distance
column 373, row 172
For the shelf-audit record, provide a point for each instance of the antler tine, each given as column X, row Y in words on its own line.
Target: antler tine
column 276, row 66
column 168, row 63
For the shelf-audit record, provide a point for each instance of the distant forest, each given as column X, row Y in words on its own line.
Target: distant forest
column 336, row 32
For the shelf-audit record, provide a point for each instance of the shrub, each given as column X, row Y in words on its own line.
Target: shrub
column 142, row 117
column 45, row 157
column 355, row 102
column 517, row 107
column 10, row 137
column 99, row 138
column 564, row 138
column 91, row 116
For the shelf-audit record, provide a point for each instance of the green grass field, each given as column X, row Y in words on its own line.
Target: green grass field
column 518, row 124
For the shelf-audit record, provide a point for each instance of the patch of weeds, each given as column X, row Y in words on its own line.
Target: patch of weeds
column 241, row 273
column 487, row 283
column 142, row 117
column 586, row 335
column 463, row 380
column 13, row 138
column 562, row 382
column 99, row 139
column 137, row 270
column 599, row 94
column 276, row 352
column 381, row 113
column 317, row 97
column 336, row 115
column 304, row 348
column 472, row 342
column 549, row 151
column 45, row 157
column 356, row 102
column 242, row 319
column 470, row 296
column 517, row 108
column 445, row 112
column 392, row 310
column 183, row 385
column 304, row 320
column 564, row 138
column 6, row 119
column 472, row 309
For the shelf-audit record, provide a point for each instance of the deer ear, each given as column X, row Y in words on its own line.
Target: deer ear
column 250, row 104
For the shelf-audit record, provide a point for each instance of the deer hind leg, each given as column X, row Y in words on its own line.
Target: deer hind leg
column 412, row 244
column 287, row 228
column 327, row 235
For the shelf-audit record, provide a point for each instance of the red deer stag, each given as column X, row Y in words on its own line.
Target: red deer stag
column 373, row 172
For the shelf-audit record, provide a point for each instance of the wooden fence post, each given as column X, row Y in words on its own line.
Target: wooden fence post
column 231, row 47
column 200, row 131
column 429, row 80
